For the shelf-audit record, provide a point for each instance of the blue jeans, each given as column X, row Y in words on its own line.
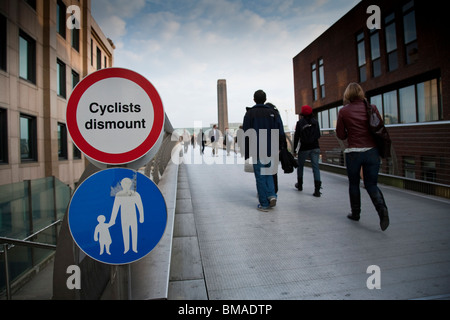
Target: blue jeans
column 314, row 156
column 264, row 184
column 370, row 163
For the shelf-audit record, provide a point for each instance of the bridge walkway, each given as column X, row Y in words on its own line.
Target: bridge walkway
column 305, row 247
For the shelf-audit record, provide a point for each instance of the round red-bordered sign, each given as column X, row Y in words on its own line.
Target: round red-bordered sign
column 111, row 93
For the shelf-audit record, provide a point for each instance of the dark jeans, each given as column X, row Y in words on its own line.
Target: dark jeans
column 370, row 162
column 264, row 184
column 314, row 155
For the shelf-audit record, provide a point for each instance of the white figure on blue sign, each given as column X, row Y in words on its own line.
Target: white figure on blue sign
column 127, row 200
column 107, row 209
column 102, row 235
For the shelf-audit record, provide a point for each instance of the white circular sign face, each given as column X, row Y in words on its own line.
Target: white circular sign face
column 106, row 119
column 115, row 116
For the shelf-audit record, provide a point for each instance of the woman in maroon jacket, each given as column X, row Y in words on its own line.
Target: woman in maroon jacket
column 353, row 125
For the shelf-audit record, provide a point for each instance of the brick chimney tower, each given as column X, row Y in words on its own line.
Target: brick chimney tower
column 222, row 105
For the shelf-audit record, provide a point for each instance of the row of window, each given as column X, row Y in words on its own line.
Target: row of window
column 390, row 38
column 61, row 16
column 61, row 86
column 391, row 46
column 27, row 47
column 28, row 139
column 419, row 102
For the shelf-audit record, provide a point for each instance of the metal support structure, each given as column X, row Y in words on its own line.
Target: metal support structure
column 8, row 287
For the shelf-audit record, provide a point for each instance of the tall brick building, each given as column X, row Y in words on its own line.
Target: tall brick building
column 404, row 68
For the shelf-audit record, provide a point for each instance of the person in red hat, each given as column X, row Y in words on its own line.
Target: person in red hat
column 307, row 132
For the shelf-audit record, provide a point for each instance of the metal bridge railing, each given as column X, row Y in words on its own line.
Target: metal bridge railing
column 9, row 243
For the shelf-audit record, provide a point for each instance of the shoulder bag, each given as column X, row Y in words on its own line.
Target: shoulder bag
column 378, row 131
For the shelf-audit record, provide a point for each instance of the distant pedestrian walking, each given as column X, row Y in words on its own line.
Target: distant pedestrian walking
column 353, row 125
column 186, row 140
column 201, row 141
column 214, row 137
column 228, row 140
column 307, row 132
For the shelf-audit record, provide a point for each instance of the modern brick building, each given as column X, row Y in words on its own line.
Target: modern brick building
column 44, row 53
column 403, row 66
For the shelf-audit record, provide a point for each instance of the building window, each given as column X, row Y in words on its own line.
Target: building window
column 410, row 33
column 409, row 167
column 333, row 117
column 391, row 42
column 314, row 81
column 76, row 152
column 99, row 58
column 61, row 18
column 92, row 52
column 61, row 78
column 3, row 137
column 407, row 99
column 390, row 108
column 76, row 39
column 361, row 57
column 62, row 141
column 105, row 60
column 27, row 57
column 378, row 102
column 28, row 138
column 321, row 79
column 428, row 101
column 416, row 103
column 325, row 119
column 75, row 79
column 375, row 53
column 429, row 169
column 3, row 42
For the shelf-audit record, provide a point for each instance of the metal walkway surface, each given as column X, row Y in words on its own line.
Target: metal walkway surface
column 306, row 248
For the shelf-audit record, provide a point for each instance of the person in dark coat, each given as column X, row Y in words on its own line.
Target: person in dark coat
column 307, row 132
column 267, row 125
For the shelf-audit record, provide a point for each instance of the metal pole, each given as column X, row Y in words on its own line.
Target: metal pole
column 8, row 288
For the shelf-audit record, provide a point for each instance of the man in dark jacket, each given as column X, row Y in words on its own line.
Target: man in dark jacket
column 307, row 132
column 262, row 126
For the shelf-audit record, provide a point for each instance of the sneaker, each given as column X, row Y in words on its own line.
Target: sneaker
column 263, row 209
column 272, row 202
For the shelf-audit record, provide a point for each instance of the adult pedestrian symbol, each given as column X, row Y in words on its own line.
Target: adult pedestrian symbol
column 117, row 216
column 115, row 116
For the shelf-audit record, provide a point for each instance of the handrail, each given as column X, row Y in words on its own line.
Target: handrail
column 9, row 243
column 30, row 244
column 43, row 229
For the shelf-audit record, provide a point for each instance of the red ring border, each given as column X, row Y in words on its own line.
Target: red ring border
column 114, row 158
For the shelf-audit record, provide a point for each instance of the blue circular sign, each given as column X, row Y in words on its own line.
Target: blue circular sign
column 117, row 216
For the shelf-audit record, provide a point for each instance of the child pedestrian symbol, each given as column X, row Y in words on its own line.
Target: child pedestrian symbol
column 101, row 234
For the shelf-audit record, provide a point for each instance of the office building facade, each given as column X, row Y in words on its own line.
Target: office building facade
column 398, row 52
column 46, row 48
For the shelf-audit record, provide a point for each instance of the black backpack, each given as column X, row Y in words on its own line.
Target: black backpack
column 308, row 133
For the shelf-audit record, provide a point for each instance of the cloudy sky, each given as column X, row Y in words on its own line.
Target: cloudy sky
column 184, row 46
